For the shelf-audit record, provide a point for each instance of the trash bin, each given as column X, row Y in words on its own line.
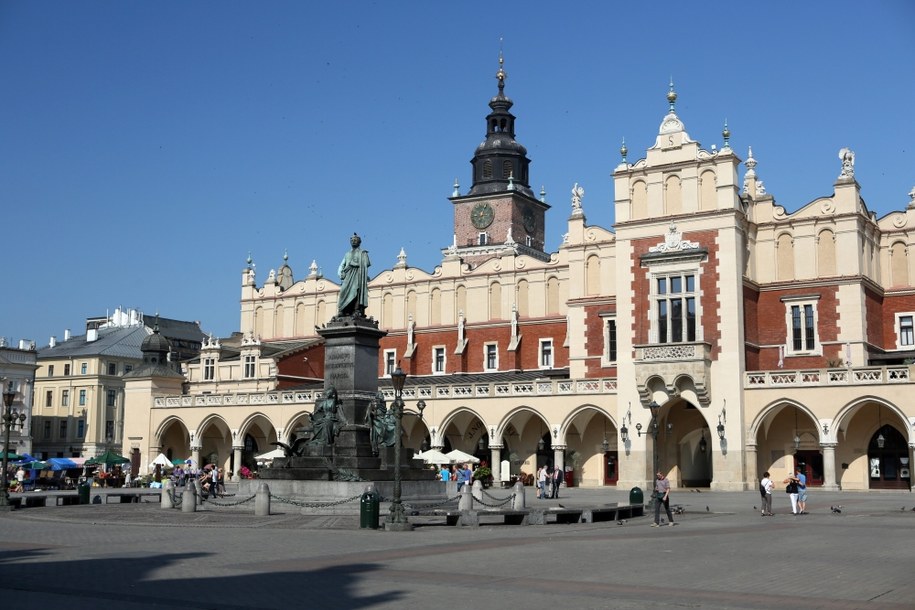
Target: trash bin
column 368, row 509
column 636, row 497
column 83, row 492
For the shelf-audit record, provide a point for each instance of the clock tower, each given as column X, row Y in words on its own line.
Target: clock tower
column 500, row 210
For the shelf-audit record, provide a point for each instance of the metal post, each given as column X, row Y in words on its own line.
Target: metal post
column 8, row 396
column 397, row 520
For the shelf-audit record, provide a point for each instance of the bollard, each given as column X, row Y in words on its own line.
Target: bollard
column 368, row 508
column 262, row 501
column 189, row 500
column 477, row 490
column 518, row 502
column 167, row 498
column 466, row 501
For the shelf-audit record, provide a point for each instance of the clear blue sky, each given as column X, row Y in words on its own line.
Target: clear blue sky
column 147, row 147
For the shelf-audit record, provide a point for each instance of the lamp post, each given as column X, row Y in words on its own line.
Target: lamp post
column 10, row 419
column 653, row 431
column 397, row 520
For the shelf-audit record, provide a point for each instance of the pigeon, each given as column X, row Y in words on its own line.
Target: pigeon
column 913, row 509
column 836, row 509
column 754, row 508
column 706, row 509
column 560, row 505
column 678, row 510
column 621, row 522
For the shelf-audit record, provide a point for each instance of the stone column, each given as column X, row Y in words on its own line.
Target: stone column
column 559, row 457
column 829, row 467
column 752, row 471
column 195, row 456
column 236, row 459
column 495, row 454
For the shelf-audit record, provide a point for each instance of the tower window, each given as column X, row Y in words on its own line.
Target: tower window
column 487, row 169
column 506, row 169
column 483, row 239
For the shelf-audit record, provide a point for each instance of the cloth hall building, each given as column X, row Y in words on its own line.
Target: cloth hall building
column 763, row 338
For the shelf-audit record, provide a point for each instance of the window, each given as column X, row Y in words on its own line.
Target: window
column 249, row 367
column 81, row 428
column 82, row 398
column 49, row 398
column 209, row 369
column 491, row 356
column 128, row 368
column 546, row 353
column 84, row 368
column 50, row 370
column 109, row 430
column 610, row 340
column 65, row 398
column 801, row 317
column 112, row 368
column 506, row 169
column 482, row 239
column 487, row 169
column 528, row 241
column 905, row 331
column 46, row 431
column 111, row 398
column 438, row 360
column 390, row 361
column 66, row 370
column 63, row 430
column 675, row 307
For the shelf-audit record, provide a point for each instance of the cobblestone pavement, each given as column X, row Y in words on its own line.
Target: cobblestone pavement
column 722, row 555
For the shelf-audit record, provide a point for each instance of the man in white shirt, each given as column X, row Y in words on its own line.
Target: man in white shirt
column 766, row 485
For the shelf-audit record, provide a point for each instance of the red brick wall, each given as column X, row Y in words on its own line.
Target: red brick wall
column 595, row 338
column 773, row 331
column 752, row 355
column 885, row 326
column 306, row 363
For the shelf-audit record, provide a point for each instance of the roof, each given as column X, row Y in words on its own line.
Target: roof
column 123, row 342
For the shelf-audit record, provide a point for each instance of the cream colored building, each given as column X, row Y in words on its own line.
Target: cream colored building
column 766, row 338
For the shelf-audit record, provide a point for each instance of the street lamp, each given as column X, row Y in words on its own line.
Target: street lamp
column 397, row 520
column 11, row 419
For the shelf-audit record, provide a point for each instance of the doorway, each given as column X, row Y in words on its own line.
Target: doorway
column 888, row 460
column 611, row 471
column 811, row 464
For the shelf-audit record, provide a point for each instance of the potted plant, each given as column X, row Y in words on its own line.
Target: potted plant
column 483, row 474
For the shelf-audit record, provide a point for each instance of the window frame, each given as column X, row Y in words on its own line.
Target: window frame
column 390, row 362
column 65, row 398
column 82, row 397
column 807, row 319
column 610, row 334
column 111, row 398
column 900, row 335
column 663, row 334
column 546, row 349
column 249, row 364
column 490, row 357
column 209, row 369
column 439, row 357
column 49, row 398
column 84, row 368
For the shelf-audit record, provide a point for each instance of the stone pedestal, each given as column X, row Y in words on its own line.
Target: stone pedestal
column 351, row 368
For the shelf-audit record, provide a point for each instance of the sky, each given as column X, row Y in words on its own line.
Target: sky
column 147, row 147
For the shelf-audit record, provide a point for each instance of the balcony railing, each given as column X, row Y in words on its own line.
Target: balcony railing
column 828, row 377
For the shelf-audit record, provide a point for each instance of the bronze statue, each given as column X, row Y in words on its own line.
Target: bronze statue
column 382, row 425
column 327, row 419
column 353, row 271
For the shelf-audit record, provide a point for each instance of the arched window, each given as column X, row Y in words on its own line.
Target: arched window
column 785, row 256
column 487, row 169
column 506, row 169
column 552, row 295
column 495, row 301
column 826, row 254
column 592, row 283
column 435, row 307
column 522, row 298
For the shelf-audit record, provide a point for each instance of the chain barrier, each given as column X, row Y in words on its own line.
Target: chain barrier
column 315, row 504
column 498, row 505
column 492, row 497
column 213, row 502
column 433, row 505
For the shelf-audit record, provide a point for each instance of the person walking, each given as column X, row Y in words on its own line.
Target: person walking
column 801, row 491
column 662, row 496
column 557, row 480
column 765, row 490
column 791, row 489
column 541, row 482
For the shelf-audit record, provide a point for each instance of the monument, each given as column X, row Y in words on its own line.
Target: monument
column 351, row 437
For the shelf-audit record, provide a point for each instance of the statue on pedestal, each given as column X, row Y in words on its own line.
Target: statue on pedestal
column 382, row 424
column 327, row 419
column 353, row 271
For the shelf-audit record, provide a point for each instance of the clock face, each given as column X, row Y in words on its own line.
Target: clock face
column 481, row 216
column 528, row 220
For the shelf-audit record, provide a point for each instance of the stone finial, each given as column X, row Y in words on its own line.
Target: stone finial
column 542, row 194
column 911, row 204
column 577, row 193
column 726, row 134
column 624, row 151
column 402, row 259
column 457, row 189
column 313, row 268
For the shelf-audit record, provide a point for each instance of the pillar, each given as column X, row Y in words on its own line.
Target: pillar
column 236, row 461
column 495, row 455
column 829, row 466
column 195, row 456
column 752, row 476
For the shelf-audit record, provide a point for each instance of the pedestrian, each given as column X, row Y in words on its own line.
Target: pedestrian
column 20, row 480
column 791, row 489
column 801, row 491
column 662, row 496
column 468, row 474
column 541, row 482
column 461, row 477
column 445, row 474
column 765, row 490
column 557, row 480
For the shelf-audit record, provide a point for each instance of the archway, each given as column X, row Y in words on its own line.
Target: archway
column 591, row 455
column 888, row 460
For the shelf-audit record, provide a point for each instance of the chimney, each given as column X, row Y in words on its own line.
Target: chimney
column 91, row 335
column 66, row 334
column 52, row 342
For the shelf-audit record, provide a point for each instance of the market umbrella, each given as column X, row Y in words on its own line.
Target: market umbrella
column 432, row 456
column 279, row 452
column 458, row 457
column 161, row 460
column 12, row 456
column 109, row 458
column 36, row 465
